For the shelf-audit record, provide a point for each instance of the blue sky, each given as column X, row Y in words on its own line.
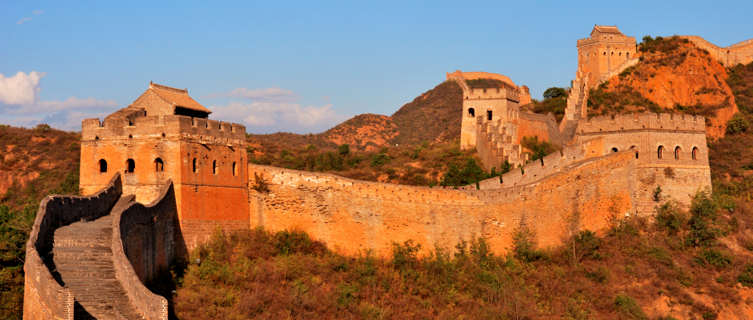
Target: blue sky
column 303, row 67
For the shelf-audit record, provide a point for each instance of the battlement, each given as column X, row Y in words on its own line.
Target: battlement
column 643, row 121
column 493, row 93
column 165, row 126
column 741, row 52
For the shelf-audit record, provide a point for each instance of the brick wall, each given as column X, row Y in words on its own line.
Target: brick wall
column 44, row 295
column 352, row 216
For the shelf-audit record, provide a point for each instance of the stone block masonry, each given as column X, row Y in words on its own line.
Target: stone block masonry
column 354, row 216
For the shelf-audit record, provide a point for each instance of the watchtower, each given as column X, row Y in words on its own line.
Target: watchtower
column 166, row 135
column 603, row 52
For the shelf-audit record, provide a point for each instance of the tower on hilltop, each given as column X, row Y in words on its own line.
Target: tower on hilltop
column 165, row 135
column 604, row 52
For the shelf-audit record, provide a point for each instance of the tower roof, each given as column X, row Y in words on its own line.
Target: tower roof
column 176, row 97
column 605, row 29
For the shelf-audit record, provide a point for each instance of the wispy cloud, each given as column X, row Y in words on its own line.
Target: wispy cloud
column 19, row 104
column 27, row 19
column 264, row 94
column 274, row 109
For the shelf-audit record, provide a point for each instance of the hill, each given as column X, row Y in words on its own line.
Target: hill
column 673, row 75
column 35, row 163
column 432, row 117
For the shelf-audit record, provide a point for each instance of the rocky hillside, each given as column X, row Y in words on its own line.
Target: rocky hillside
column 672, row 75
column 432, row 117
column 38, row 158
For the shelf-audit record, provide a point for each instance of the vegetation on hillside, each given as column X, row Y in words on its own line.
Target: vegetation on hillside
column 555, row 102
column 731, row 157
column 677, row 256
column 53, row 155
column 661, row 79
column 423, row 165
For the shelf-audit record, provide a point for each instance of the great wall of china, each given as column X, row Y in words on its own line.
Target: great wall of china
column 193, row 172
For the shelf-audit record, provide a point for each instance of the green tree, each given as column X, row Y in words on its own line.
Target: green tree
column 555, row 92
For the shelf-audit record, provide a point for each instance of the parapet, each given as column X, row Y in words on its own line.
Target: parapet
column 493, row 93
column 643, row 121
column 163, row 126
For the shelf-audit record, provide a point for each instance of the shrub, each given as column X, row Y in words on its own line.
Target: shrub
column 524, row 245
column 379, row 159
column 538, row 149
column 669, row 217
column 405, row 255
column 746, row 277
column 657, row 194
column 714, row 258
column 260, row 184
column 738, row 124
column 703, row 230
column 628, row 308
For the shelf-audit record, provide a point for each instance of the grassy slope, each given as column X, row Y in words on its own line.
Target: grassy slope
column 51, row 154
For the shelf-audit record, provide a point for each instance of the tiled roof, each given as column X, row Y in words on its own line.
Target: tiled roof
column 177, row 97
column 606, row 29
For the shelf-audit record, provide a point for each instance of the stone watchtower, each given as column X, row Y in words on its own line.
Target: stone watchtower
column 166, row 135
column 603, row 53
column 486, row 104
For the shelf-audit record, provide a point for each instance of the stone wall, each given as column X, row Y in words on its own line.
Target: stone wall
column 144, row 243
column 680, row 171
column 352, row 216
column 44, row 294
column 741, row 52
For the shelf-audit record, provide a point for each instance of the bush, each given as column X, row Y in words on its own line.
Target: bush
column 738, row 124
column 538, row 149
column 470, row 173
column 702, row 223
column 379, row 159
column 669, row 218
column 260, row 184
column 628, row 308
column 524, row 245
column 746, row 277
column 714, row 258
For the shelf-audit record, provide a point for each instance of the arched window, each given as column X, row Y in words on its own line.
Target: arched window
column 214, row 167
column 627, row 55
column 159, row 166
column 660, row 152
column 130, row 166
column 194, row 167
column 677, row 152
column 636, row 151
column 615, row 149
column 471, row 112
column 235, row 171
column 694, row 153
column 102, row 166
column 488, row 115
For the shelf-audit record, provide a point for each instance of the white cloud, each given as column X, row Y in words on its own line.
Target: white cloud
column 20, row 106
column 21, row 88
column 276, row 116
column 264, row 94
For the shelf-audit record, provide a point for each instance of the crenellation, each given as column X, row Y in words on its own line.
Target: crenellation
column 643, row 121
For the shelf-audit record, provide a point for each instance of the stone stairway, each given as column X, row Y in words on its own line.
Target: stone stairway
column 83, row 257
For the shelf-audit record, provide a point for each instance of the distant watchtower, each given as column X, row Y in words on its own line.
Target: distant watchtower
column 165, row 135
column 602, row 53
